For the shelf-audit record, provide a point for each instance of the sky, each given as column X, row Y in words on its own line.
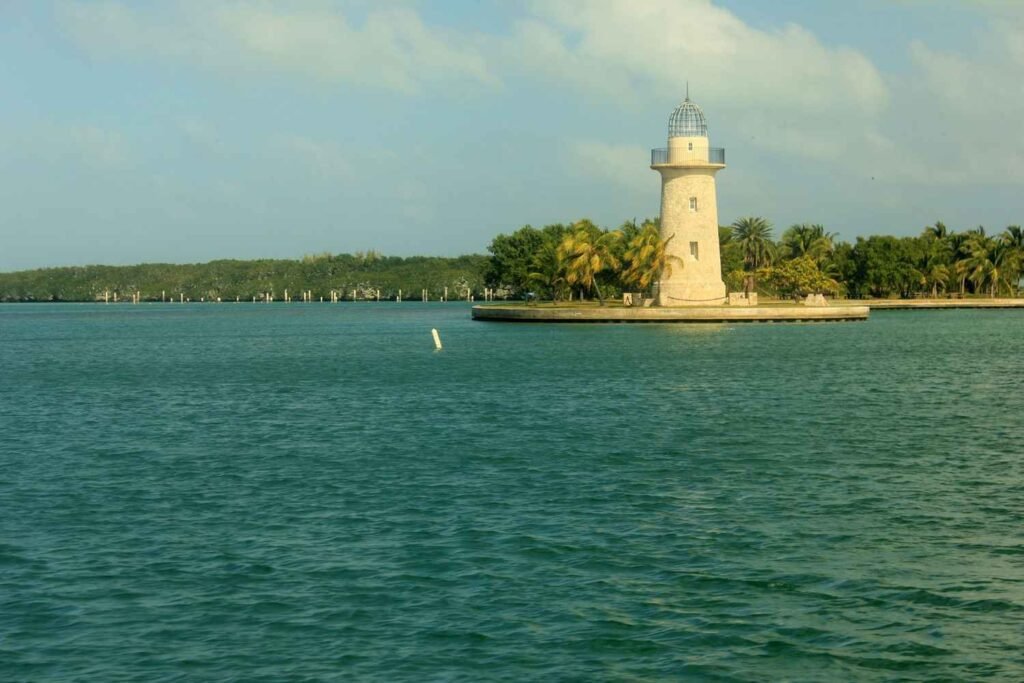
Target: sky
column 188, row 130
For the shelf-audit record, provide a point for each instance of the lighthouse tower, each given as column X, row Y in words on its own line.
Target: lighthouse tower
column 689, row 211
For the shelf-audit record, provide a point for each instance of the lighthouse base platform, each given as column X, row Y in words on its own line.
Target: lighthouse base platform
column 782, row 313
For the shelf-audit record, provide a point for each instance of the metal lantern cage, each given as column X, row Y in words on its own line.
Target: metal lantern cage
column 687, row 121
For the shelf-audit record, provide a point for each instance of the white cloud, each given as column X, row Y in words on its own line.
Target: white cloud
column 952, row 119
column 966, row 108
column 783, row 89
column 392, row 48
column 659, row 42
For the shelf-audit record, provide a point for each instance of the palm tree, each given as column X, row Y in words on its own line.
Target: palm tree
column 807, row 240
column 754, row 235
column 990, row 262
column 1005, row 266
column 587, row 255
column 822, row 245
column 936, row 274
column 724, row 235
column 549, row 268
column 647, row 258
column 630, row 230
column 959, row 246
column 1013, row 236
column 934, row 263
column 938, row 231
column 979, row 266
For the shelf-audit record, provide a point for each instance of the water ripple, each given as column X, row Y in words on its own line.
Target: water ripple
column 312, row 493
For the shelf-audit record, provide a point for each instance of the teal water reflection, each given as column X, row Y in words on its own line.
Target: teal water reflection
column 297, row 492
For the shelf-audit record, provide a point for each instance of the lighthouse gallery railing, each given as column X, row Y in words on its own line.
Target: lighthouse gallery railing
column 716, row 155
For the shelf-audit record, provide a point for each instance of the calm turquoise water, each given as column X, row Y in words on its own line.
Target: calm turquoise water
column 311, row 492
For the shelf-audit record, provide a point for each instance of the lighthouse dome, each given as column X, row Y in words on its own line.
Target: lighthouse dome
column 687, row 121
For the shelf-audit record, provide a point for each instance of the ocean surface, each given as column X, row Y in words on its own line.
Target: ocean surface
column 301, row 492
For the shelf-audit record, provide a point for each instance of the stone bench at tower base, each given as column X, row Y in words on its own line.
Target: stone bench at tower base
column 635, row 299
column 741, row 299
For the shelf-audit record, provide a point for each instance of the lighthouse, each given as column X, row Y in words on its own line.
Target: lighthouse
column 689, row 211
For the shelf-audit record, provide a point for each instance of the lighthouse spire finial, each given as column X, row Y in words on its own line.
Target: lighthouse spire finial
column 687, row 91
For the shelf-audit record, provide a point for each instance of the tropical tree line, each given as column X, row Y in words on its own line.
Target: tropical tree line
column 559, row 261
column 360, row 275
column 938, row 262
column 578, row 260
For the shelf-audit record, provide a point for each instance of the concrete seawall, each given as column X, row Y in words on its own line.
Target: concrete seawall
column 902, row 304
column 838, row 311
column 700, row 314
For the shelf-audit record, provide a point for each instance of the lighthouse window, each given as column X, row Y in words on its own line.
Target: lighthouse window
column 693, row 203
column 689, row 146
column 693, row 251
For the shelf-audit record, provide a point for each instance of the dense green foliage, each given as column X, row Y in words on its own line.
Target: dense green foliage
column 935, row 263
column 365, row 273
column 579, row 260
column 806, row 259
column 797, row 277
column 559, row 260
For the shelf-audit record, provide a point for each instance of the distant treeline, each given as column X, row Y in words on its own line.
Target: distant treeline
column 559, row 260
column 362, row 273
